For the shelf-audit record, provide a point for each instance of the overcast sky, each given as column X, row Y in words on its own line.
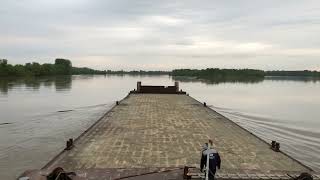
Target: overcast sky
column 163, row 34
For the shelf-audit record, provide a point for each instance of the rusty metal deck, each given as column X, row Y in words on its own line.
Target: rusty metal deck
column 167, row 131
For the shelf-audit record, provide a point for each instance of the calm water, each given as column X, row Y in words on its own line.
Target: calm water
column 32, row 130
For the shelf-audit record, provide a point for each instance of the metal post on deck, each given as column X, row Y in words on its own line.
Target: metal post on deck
column 138, row 86
column 176, row 84
column 69, row 144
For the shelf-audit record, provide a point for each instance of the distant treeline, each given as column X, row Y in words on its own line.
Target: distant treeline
column 141, row 72
column 293, row 73
column 60, row 67
column 215, row 74
column 64, row 67
column 238, row 74
column 85, row 70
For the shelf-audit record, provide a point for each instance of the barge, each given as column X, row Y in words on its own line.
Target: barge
column 157, row 132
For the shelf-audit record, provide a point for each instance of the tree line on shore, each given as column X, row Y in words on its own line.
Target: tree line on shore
column 209, row 72
column 64, row 67
column 60, row 67
column 215, row 73
column 141, row 72
column 293, row 73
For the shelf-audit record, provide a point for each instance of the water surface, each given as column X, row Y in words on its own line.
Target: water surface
column 37, row 115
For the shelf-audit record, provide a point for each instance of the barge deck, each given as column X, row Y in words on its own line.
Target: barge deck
column 168, row 130
column 165, row 132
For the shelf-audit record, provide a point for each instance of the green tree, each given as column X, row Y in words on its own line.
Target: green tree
column 3, row 67
column 36, row 69
column 3, row 62
column 48, row 69
column 63, row 66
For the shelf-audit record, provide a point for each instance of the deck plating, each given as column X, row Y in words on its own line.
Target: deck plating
column 145, row 131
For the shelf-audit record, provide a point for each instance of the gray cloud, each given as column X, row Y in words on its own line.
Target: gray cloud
column 126, row 34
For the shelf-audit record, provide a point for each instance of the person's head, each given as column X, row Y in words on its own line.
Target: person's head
column 205, row 146
column 211, row 143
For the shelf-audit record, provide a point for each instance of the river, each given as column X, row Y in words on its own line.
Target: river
column 37, row 115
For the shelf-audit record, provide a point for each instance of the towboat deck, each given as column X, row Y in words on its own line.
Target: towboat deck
column 167, row 131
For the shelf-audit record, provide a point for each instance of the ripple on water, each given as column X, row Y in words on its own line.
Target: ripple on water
column 33, row 142
column 302, row 144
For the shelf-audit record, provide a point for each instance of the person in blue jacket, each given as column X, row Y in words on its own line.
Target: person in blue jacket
column 214, row 160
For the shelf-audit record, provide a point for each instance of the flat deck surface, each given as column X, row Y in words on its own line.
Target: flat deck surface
column 162, row 130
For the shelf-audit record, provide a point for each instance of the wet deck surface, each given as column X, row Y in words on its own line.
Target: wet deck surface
column 153, row 130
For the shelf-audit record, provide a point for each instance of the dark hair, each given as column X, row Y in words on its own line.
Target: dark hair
column 210, row 141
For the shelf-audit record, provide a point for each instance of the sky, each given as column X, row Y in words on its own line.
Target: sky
column 163, row 34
